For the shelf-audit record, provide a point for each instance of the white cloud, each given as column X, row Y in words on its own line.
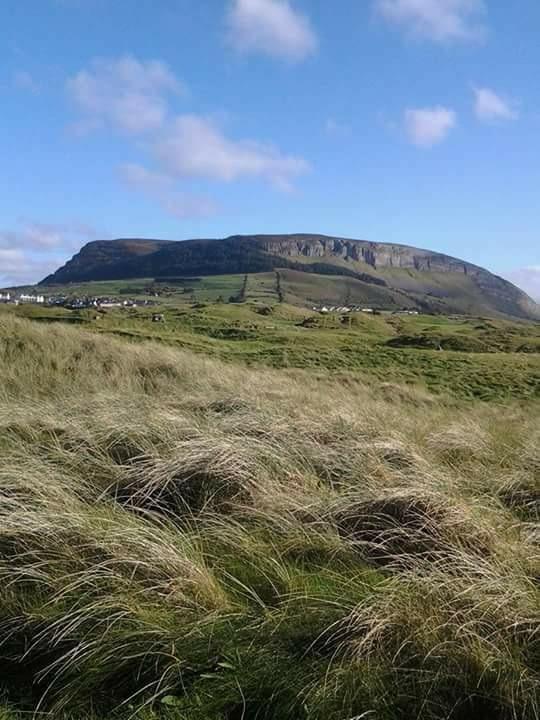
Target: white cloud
column 160, row 188
column 426, row 127
column 271, row 27
column 45, row 236
column 126, row 94
column 10, row 256
column 488, row 105
column 131, row 97
column 195, row 148
column 441, row 21
column 528, row 279
column 34, row 249
column 23, row 80
column 21, row 268
column 140, row 177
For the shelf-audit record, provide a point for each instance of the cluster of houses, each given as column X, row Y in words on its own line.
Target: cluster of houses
column 89, row 303
column 324, row 309
column 342, row 309
column 70, row 302
column 13, row 298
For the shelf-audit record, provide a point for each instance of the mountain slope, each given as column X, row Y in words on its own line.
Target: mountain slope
column 422, row 278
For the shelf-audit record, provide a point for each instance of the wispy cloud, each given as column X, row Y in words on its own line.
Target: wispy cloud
column 426, row 127
column 441, row 21
column 270, row 27
column 45, row 236
column 138, row 176
column 23, row 80
column 194, row 147
column 132, row 98
column 21, row 268
column 528, row 279
column 161, row 188
column 33, row 249
column 124, row 94
column 489, row 106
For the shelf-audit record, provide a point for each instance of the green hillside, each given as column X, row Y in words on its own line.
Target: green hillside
column 387, row 275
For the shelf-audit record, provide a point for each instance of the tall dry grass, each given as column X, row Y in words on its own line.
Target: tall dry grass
column 189, row 539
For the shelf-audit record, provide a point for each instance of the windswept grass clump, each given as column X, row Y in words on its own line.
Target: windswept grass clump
column 185, row 539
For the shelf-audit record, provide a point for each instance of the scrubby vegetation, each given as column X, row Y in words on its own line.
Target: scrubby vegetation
column 186, row 538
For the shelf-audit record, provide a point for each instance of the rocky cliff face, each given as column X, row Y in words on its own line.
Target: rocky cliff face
column 409, row 270
column 377, row 255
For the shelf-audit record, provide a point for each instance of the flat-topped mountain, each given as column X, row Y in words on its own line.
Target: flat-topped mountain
column 387, row 274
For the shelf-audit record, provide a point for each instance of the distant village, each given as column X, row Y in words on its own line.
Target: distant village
column 324, row 309
column 70, row 302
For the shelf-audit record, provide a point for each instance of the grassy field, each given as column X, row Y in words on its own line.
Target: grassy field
column 173, row 290
column 467, row 358
column 184, row 538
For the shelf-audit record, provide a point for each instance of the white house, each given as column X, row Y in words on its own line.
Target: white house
column 37, row 299
column 5, row 297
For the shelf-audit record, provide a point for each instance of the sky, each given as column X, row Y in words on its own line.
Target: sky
column 403, row 121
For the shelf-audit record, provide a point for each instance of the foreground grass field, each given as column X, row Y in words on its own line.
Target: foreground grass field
column 183, row 538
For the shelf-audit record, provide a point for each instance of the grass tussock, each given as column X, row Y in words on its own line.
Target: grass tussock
column 181, row 538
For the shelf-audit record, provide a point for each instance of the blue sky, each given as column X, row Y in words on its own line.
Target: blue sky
column 409, row 121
